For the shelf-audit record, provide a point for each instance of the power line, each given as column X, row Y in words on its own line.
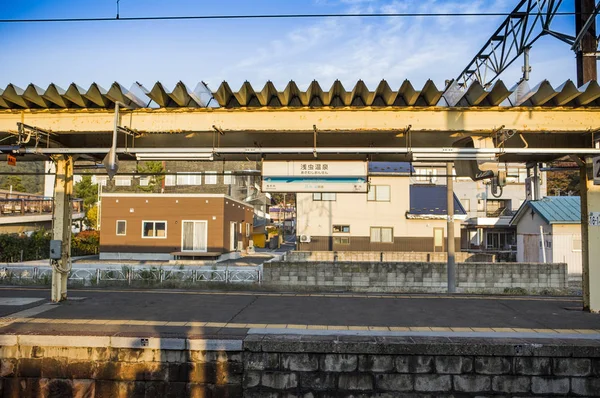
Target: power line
column 273, row 16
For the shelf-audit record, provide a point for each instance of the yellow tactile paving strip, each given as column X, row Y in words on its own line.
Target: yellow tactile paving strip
column 125, row 322
column 333, row 295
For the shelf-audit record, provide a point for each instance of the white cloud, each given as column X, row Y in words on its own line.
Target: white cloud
column 392, row 48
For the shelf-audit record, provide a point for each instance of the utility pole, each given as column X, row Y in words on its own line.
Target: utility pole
column 587, row 68
column 450, row 228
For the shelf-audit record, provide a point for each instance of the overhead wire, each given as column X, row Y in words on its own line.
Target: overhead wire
column 272, row 16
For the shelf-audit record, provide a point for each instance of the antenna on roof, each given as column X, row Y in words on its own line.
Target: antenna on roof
column 118, row 9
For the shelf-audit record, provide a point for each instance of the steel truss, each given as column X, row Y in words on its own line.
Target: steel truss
column 530, row 20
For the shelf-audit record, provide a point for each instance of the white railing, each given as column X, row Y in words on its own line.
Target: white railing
column 95, row 276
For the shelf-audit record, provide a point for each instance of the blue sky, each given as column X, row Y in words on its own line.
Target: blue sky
column 259, row 50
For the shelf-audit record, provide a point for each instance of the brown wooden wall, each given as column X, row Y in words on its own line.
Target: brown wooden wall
column 363, row 243
column 173, row 210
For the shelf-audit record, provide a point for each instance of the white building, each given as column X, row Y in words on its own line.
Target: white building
column 394, row 215
column 487, row 226
column 549, row 230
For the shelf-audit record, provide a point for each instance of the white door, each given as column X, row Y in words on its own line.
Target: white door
column 194, row 236
column 233, row 236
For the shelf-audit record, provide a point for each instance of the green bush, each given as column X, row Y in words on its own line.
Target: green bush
column 23, row 248
column 85, row 243
column 14, row 248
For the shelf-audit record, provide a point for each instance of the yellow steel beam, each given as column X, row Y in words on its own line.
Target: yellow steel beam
column 302, row 120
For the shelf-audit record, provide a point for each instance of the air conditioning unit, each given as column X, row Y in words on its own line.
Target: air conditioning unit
column 305, row 238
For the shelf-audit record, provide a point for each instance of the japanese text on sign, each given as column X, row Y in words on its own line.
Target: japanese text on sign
column 594, row 219
column 314, row 168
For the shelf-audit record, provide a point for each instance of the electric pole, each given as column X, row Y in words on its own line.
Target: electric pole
column 587, row 68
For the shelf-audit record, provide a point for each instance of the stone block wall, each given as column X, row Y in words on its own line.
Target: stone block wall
column 417, row 276
column 390, row 367
column 375, row 256
column 36, row 369
column 296, row 366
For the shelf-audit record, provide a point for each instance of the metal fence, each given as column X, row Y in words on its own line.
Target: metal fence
column 95, row 276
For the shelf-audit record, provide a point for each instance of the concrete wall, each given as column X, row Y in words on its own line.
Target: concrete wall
column 372, row 256
column 316, row 218
column 390, row 277
column 423, row 367
column 304, row 366
column 106, row 367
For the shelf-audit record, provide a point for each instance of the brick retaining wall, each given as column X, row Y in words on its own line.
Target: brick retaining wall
column 374, row 256
column 417, row 276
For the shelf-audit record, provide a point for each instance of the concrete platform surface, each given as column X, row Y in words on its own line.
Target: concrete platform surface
column 233, row 315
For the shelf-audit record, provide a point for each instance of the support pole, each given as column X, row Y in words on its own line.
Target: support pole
column 590, row 236
column 587, row 68
column 450, row 228
column 61, row 229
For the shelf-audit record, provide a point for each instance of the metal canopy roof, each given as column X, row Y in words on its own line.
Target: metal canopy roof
column 54, row 97
column 553, row 209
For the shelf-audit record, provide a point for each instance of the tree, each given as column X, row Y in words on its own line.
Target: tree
column 563, row 183
column 91, row 217
column 154, row 181
column 31, row 183
column 278, row 198
column 13, row 182
column 87, row 191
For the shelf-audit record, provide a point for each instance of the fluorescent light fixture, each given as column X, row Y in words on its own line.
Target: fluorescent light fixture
column 174, row 156
column 453, row 156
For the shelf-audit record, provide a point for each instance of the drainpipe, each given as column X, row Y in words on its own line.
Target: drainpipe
column 543, row 246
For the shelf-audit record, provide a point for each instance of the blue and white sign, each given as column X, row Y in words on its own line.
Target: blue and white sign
column 315, row 176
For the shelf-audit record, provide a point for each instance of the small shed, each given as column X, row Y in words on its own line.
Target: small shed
column 549, row 230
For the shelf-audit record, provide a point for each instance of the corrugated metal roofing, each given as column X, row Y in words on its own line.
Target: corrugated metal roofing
column 390, row 167
column 13, row 97
column 431, row 200
column 558, row 209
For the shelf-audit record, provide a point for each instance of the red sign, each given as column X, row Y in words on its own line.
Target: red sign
column 11, row 160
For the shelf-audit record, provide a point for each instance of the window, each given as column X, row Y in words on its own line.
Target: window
column 144, row 181
column 341, row 228
column 382, row 235
column 341, row 240
column 466, row 203
column 421, row 175
column 247, row 229
column 576, row 244
column 121, row 227
column 500, row 240
column 228, row 179
column 154, row 229
column 426, row 175
column 379, row 193
column 210, row 178
column 325, row 197
column 189, row 179
column 170, row 180
column 497, row 208
column 123, row 181
column 99, row 180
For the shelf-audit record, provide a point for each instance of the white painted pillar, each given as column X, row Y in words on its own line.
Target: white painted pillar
column 590, row 239
column 61, row 226
column 49, row 167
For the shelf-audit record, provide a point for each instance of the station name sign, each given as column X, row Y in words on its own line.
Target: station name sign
column 314, row 176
